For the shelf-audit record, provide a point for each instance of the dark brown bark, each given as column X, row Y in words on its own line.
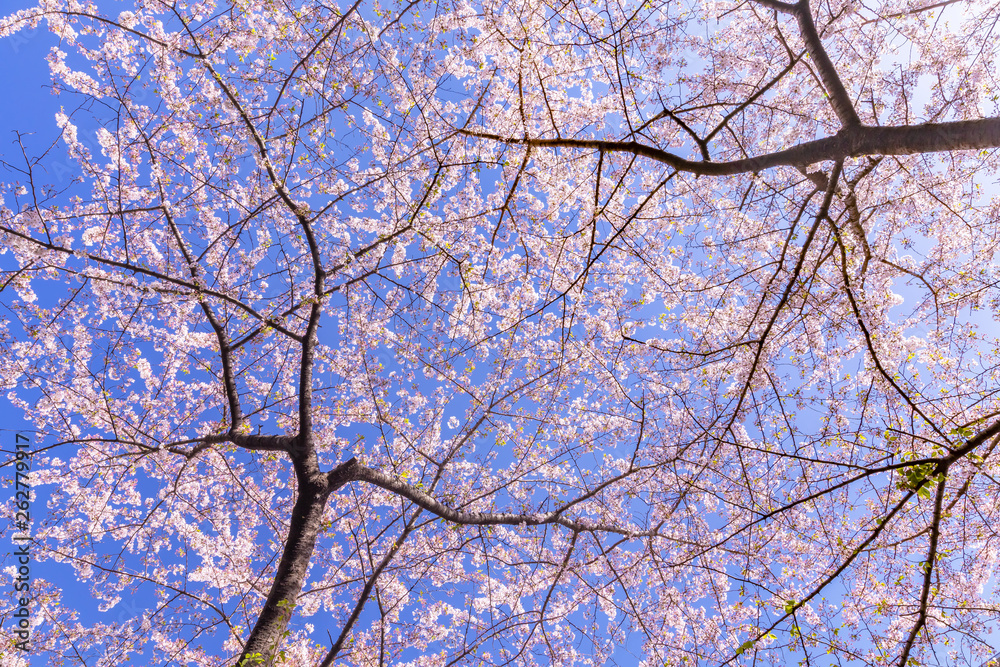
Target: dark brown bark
column 268, row 633
column 853, row 141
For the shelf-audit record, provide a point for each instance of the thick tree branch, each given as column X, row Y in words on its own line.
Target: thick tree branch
column 428, row 502
column 928, row 567
column 839, row 99
column 854, row 141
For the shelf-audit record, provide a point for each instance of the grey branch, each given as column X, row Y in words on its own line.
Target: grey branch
column 854, row 141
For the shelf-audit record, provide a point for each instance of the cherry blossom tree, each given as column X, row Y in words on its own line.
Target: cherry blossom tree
column 512, row 333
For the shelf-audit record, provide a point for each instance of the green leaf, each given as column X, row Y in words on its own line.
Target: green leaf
column 962, row 432
column 745, row 646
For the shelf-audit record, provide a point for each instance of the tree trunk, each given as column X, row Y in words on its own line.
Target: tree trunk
column 269, row 632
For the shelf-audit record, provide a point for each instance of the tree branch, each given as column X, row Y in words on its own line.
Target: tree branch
column 853, row 141
column 428, row 502
column 367, row 590
column 839, row 99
